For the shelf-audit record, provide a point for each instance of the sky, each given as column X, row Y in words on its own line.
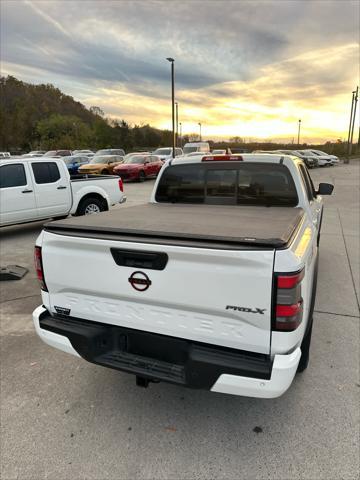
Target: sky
column 242, row 68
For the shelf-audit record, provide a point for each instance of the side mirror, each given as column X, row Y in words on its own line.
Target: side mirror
column 325, row 189
column 146, row 162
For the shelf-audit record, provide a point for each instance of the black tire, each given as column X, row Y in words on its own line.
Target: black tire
column 104, row 172
column 305, row 350
column 90, row 206
column 142, row 176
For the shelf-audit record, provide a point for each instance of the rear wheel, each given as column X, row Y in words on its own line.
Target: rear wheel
column 104, row 172
column 89, row 206
column 142, row 176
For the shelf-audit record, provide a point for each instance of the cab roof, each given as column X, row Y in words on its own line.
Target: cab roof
column 245, row 157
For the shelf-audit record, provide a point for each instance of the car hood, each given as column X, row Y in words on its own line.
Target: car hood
column 92, row 166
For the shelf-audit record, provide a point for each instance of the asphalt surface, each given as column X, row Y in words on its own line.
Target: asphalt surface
column 62, row 418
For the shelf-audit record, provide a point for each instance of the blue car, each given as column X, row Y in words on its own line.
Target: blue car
column 74, row 162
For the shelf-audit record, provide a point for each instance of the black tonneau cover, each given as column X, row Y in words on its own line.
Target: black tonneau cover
column 197, row 225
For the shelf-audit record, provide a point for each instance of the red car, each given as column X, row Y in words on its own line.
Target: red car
column 139, row 167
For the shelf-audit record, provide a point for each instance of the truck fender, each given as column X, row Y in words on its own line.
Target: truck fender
column 91, row 190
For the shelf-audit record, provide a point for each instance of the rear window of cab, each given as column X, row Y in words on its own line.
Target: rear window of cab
column 230, row 184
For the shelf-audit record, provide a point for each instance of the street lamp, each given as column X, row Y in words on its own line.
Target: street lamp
column 180, row 134
column 177, row 123
column 299, row 132
column 349, row 135
column 171, row 60
column 354, row 116
column 200, row 130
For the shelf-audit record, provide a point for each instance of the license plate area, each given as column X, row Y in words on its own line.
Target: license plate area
column 156, row 356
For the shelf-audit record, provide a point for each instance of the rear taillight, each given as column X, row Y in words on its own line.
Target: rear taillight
column 39, row 268
column 221, row 158
column 288, row 301
column 121, row 185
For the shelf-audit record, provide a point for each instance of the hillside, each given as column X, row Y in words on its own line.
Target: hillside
column 41, row 116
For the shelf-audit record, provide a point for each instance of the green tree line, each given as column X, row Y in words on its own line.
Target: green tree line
column 42, row 117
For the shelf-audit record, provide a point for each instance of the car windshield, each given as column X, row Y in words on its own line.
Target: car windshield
column 101, row 159
column 135, row 159
column 189, row 149
column 103, row 152
column 68, row 160
column 162, row 151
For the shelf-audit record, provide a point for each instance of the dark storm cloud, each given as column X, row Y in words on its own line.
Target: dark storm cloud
column 84, row 39
column 127, row 42
column 253, row 51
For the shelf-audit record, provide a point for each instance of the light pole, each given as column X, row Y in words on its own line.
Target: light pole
column 200, row 130
column 353, row 120
column 349, row 134
column 298, row 142
column 177, row 123
column 171, row 60
column 180, row 134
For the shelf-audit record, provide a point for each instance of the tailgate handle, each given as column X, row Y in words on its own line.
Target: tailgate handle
column 136, row 259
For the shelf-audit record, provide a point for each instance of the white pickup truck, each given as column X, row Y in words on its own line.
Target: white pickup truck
column 38, row 188
column 211, row 285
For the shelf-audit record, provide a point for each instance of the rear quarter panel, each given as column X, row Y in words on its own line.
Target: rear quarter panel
column 108, row 188
column 302, row 253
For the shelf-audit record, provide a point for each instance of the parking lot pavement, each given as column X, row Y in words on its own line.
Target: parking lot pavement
column 62, row 418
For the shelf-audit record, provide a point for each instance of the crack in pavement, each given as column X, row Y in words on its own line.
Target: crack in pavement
column 348, row 259
column 19, row 298
column 338, row 314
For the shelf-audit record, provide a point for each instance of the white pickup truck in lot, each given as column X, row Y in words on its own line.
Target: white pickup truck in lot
column 38, row 188
column 211, row 285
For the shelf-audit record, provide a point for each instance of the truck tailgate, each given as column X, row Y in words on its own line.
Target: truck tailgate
column 209, row 295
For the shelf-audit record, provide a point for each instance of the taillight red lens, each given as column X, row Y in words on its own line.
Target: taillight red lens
column 39, row 268
column 289, row 281
column 121, row 185
column 220, row 158
column 287, row 310
column 288, row 305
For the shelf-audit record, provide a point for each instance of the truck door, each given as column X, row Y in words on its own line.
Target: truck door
column 17, row 198
column 52, row 189
column 315, row 206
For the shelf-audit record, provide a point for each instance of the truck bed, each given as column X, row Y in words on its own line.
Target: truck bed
column 198, row 225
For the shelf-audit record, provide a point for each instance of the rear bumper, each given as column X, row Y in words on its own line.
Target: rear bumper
column 159, row 357
column 282, row 374
column 53, row 339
